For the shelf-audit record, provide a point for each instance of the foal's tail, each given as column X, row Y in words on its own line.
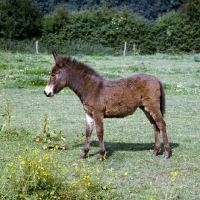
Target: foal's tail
column 162, row 100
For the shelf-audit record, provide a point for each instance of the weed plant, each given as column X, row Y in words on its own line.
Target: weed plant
column 38, row 175
column 31, row 173
column 8, row 116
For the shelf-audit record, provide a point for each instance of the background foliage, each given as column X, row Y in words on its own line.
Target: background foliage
column 20, row 19
column 104, row 27
column 150, row 9
column 191, row 13
column 109, row 27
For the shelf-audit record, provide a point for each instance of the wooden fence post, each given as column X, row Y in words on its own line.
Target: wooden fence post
column 124, row 49
column 36, row 45
column 134, row 47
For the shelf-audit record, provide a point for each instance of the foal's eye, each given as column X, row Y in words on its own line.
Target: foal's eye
column 53, row 74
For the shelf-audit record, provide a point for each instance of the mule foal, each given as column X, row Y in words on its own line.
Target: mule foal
column 107, row 98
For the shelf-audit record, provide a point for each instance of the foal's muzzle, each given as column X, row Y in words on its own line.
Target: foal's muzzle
column 48, row 94
column 48, row 91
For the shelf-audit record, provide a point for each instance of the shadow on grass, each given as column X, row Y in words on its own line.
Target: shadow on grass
column 112, row 147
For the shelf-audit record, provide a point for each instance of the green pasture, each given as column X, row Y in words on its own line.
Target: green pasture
column 129, row 172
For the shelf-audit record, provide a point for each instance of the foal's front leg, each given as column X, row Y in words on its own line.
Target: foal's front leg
column 89, row 128
column 98, row 118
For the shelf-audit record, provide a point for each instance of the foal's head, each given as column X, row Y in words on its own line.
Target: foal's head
column 58, row 78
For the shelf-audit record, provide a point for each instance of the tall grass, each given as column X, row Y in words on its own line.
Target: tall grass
column 77, row 47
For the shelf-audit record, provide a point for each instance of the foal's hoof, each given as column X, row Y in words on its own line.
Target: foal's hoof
column 83, row 157
column 99, row 160
column 153, row 155
column 166, row 157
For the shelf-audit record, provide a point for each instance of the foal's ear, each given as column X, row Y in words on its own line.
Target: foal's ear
column 54, row 55
column 57, row 58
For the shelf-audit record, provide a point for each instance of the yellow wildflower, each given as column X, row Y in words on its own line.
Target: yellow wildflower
column 174, row 174
column 97, row 170
column 111, row 170
column 85, row 177
column 76, row 167
column 10, row 164
column 23, row 162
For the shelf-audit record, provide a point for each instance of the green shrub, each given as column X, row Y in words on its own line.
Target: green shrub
column 177, row 32
column 191, row 12
column 54, row 23
column 100, row 31
column 20, row 19
column 169, row 34
column 106, row 26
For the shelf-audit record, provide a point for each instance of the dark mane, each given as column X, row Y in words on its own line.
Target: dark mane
column 80, row 66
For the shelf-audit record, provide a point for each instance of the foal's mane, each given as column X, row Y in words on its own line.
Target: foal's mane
column 80, row 66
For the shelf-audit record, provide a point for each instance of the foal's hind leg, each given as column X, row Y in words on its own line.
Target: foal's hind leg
column 161, row 125
column 89, row 128
column 156, row 131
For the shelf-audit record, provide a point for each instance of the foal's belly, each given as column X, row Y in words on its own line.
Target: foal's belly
column 119, row 111
column 121, row 105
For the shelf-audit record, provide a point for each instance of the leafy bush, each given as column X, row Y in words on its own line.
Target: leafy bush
column 173, row 32
column 54, row 23
column 191, row 12
column 99, row 31
column 169, row 34
column 106, row 26
column 177, row 32
column 20, row 19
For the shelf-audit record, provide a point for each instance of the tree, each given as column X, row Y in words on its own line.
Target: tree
column 20, row 19
column 53, row 23
column 191, row 12
column 149, row 9
column 168, row 34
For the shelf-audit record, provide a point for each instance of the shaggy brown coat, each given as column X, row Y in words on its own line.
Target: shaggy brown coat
column 107, row 98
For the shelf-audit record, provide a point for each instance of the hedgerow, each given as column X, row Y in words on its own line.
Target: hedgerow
column 104, row 28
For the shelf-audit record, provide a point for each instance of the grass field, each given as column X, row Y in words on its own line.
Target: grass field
column 129, row 171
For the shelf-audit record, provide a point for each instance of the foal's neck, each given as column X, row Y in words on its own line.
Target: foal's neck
column 83, row 84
